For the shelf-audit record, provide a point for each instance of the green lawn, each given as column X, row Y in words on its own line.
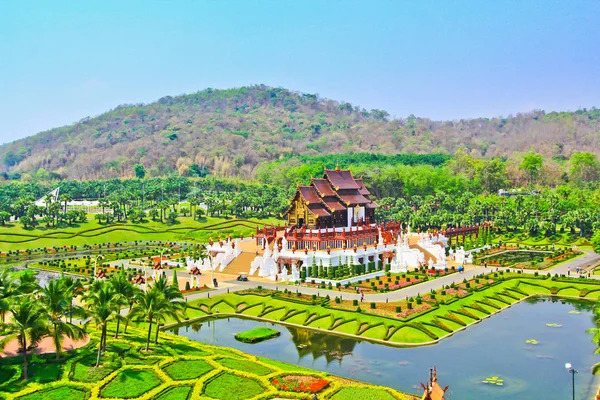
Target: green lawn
column 15, row 237
column 130, row 384
column 60, row 393
column 176, row 393
column 187, row 369
column 227, row 386
column 244, row 366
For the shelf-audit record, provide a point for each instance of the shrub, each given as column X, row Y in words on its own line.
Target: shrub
column 398, row 309
column 257, row 335
column 337, row 300
column 409, row 305
column 354, row 302
column 373, row 305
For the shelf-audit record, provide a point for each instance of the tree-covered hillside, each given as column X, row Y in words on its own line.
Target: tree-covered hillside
column 230, row 132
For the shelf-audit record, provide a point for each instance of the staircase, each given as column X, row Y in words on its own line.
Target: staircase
column 413, row 244
column 240, row 264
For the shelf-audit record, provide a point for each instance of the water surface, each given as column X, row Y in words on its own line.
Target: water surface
column 494, row 347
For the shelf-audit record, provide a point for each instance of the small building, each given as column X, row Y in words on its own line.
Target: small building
column 433, row 390
column 100, row 274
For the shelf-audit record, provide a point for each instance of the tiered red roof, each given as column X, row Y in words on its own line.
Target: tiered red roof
column 336, row 191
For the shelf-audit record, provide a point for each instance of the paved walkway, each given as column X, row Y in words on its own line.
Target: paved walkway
column 587, row 260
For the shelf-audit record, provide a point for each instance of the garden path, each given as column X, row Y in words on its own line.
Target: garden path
column 589, row 258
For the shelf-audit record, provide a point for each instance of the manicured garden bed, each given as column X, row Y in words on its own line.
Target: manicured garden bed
column 130, row 384
column 300, row 383
column 59, row 393
column 357, row 393
column 257, row 335
column 227, row 386
column 175, row 393
column 187, row 369
column 244, row 366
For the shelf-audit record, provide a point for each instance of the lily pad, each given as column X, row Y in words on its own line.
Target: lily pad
column 493, row 380
column 574, row 312
column 532, row 341
column 554, row 325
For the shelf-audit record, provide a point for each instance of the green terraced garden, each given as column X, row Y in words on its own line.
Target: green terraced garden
column 16, row 238
column 179, row 369
column 443, row 315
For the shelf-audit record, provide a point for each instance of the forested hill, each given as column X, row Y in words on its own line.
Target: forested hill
column 230, row 132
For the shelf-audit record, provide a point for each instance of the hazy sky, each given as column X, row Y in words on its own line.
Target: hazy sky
column 61, row 61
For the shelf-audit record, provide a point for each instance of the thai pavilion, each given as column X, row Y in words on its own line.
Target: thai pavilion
column 330, row 223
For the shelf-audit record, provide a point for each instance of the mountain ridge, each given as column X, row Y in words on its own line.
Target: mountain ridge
column 229, row 132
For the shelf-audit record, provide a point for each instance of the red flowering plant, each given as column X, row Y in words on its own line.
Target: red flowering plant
column 300, row 383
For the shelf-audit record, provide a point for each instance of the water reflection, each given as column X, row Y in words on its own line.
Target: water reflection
column 494, row 347
column 316, row 344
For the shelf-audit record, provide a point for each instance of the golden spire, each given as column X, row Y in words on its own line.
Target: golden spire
column 337, row 166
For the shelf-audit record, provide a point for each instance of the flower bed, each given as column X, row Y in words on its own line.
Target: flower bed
column 194, row 290
column 257, row 335
column 300, row 383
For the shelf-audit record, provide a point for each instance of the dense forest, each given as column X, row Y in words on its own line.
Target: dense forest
column 230, row 133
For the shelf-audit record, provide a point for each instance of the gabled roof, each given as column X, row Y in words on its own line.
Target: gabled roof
column 340, row 179
column 362, row 188
column 352, row 197
column 323, row 187
column 319, row 210
column 309, row 194
column 333, row 203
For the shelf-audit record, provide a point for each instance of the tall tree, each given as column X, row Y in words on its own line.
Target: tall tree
column 28, row 326
column 101, row 309
column 56, row 302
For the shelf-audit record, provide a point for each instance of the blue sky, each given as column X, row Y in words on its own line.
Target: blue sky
column 61, row 61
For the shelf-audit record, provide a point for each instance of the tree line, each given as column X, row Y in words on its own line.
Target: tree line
column 38, row 312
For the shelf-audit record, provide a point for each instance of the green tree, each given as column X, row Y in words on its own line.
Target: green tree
column 56, row 302
column 148, row 306
column 124, row 293
column 596, row 241
column 101, row 308
column 28, row 326
column 8, row 288
column 532, row 165
column 584, row 167
column 140, row 171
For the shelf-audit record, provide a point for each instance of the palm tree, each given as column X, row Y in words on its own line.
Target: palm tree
column 148, row 305
column 173, row 296
column 193, row 204
column 8, row 288
column 124, row 294
column 27, row 283
column 72, row 287
column 65, row 198
column 101, row 310
column 28, row 326
column 57, row 302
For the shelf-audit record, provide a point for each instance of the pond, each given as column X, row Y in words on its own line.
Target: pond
column 494, row 347
column 517, row 256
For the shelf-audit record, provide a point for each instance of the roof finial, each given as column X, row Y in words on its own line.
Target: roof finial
column 337, row 166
